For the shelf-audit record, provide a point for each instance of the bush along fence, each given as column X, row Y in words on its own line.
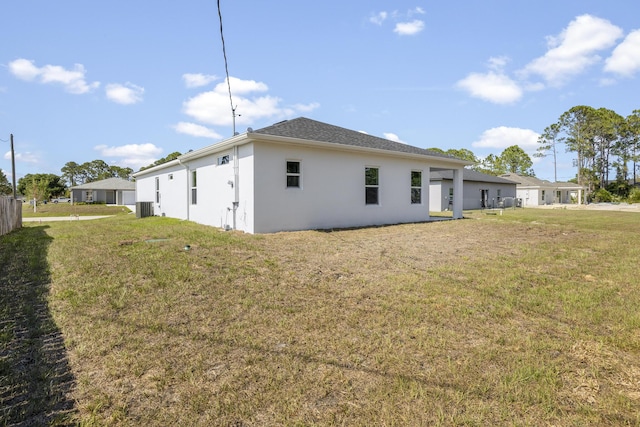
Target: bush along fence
column 10, row 215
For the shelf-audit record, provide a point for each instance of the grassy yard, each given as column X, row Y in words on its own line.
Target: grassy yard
column 66, row 209
column 528, row 318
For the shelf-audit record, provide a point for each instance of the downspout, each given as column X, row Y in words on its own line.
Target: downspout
column 236, row 179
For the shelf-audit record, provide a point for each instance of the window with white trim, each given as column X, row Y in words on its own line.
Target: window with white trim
column 157, row 189
column 416, row 187
column 371, row 185
column 293, row 174
column 223, row 160
column 194, row 187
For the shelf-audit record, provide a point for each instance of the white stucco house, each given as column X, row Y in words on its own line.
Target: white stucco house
column 481, row 191
column 298, row 174
column 112, row 191
column 537, row 192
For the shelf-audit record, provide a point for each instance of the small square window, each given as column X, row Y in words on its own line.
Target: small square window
column 223, row 160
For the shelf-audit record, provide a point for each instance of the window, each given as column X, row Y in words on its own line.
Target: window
column 450, row 195
column 293, row 174
column 223, row 160
column 157, row 190
column 543, row 196
column 371, row 186
column 499, row 193
column 416, row 187
column 194, row 189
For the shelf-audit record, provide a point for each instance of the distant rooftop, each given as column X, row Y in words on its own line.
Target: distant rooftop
column 107, row 184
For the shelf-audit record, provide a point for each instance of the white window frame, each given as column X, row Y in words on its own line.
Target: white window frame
column 194, row 187
column 293, row 174
column 369, row 186
column 416, row 187
column 225, row 159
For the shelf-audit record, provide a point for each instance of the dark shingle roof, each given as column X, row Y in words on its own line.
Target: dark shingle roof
column 312, row 130
column 471, row 175
column 107, row 184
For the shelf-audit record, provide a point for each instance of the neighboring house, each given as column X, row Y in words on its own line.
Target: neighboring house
column 112, row 191
column 537, row 192
column 481, row 191
column 298, row 174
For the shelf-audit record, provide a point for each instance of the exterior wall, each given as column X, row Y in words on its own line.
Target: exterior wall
column 472, row 195
column 245, row 213
column 120, row 197
column 172, row 198
column 215, row 191
column 127, row 197
column 332, row 190
column 530, row 196
column 437, row 196
column 331, row 194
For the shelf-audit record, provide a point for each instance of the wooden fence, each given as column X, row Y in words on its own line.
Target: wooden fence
column 10, row 214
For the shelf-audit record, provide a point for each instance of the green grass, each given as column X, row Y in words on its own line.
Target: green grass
column 529, row 318
column 67, row 209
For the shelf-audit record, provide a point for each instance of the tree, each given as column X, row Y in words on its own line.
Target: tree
column 44, row 185
column 167, row 159
column 547, row 142
column 71, row 172
column 463, row 154
column 5, row 187
column 633, row 139
column 491, row 165
column 513, row 159
column 120, row 172
column 574, row 123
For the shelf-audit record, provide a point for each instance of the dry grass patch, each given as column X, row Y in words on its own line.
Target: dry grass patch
column 523, row 319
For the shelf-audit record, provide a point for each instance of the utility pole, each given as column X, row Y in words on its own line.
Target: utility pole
column 13, row 169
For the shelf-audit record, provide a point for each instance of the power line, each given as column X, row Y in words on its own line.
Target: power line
column 226, row 69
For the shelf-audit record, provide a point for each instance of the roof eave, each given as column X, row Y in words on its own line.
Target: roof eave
column 352, row 148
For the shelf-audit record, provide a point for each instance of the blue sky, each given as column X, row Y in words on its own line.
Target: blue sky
column 129, row 82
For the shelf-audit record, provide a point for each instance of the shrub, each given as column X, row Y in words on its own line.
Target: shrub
column 602, row 196
column 634, row 195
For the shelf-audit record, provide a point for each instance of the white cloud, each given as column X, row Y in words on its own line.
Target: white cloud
column 131, row 155
column 625, row 59
column 306, row 108
column 198, row 80
column 575, row 49
column 378, row 18
column 73, row 80
column 26, row 157
column 194, row 129
column 502, row 137
column 393, row 137
column 497, row 63
column 126, row 94
column 24, row 69
column 239, row 86
column 493, row 86
column 214, row 108
column 409, row 28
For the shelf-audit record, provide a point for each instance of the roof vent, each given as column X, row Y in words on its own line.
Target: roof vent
column 249, row 130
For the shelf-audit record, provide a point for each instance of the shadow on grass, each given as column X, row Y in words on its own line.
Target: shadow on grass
column 35, row 377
